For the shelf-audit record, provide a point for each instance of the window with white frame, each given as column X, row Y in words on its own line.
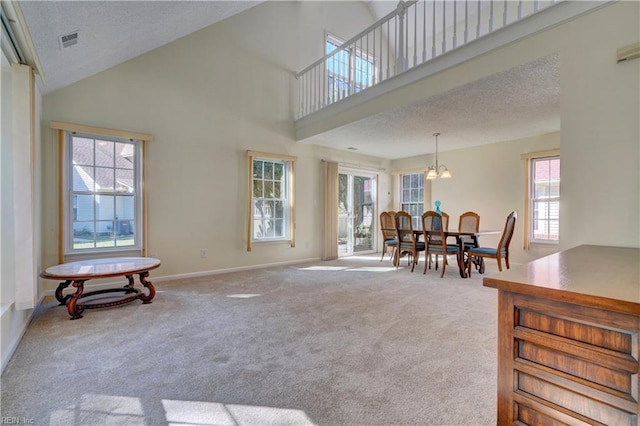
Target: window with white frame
column 271, row 203
column 412, row 197
column 348, row 71
column 544, row 199
column 103, row 193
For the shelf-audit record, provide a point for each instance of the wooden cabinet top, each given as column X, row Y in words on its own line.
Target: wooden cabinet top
column 600, row 276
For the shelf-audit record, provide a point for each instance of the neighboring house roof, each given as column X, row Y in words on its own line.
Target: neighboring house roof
column 105, row 161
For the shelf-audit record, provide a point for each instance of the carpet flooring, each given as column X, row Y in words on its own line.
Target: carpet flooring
column 347, row 342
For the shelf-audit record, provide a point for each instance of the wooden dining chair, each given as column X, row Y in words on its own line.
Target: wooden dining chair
column 438, row 221
column 388, row 230
column 436, row 239
column 407, row 239
column 498, row 253
column 469, row 222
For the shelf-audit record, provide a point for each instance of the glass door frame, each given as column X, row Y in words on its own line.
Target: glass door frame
column 349, row 249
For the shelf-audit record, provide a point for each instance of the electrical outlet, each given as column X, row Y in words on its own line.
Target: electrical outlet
column 203, row 253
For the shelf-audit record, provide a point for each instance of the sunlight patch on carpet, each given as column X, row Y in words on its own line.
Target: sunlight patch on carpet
column 215, row 413
column 324, row 268
column 372, row 269
column 243, row 296
column 101, row 409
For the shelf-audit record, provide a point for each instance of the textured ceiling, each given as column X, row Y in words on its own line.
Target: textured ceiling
column 521, row 102
column 112, row 32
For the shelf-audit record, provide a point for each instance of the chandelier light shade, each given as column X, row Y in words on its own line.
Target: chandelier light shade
column 434, row 171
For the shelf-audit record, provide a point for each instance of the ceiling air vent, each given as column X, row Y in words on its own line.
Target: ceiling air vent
column 68, row 40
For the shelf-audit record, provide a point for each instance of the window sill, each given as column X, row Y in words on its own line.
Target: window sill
column 544, row 243
column 269, row 242
column 129, row 252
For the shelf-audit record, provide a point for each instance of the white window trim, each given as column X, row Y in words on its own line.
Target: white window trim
column 290, row 217
column 65, row 250
column 528, row 159
column 424, row 192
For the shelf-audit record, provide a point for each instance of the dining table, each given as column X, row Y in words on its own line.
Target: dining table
column 460, row 242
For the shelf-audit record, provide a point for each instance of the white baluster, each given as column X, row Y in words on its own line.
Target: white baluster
column 380, row 62
column 490, row 15
column 368, row 74
column 415, row 34
column 433, row 44
column 374, row 61
column 405, row 62
column 504, row 14
column 321, row 92
column 424, row 31
column 466, row 21
column 307, row 107
column 455, row 26
column 312, row 89
column 352, row 69
column 400, row 56
column 388, row 48
column 478, row 28
column 299, row 96
column 519, row 9
column 444, row 26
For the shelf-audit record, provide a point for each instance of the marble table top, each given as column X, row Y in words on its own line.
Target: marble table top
column 100, row 268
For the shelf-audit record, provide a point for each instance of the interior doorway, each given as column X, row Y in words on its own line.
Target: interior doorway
column 356, row 212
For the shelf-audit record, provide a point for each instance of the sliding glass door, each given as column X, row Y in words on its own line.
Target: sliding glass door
column 356, row 213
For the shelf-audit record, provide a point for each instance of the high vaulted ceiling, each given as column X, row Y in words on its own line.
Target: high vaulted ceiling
column 517, row 103
column 112, row 32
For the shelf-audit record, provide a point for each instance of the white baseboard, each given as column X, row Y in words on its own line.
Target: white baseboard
column 154, row 279
column 15, row 341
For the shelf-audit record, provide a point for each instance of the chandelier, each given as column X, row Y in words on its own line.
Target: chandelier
column 434, row 172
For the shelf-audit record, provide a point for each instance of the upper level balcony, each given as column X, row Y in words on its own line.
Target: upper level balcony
column 416, row 40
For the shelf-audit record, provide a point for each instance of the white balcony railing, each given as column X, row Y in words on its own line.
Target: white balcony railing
column 416, row 32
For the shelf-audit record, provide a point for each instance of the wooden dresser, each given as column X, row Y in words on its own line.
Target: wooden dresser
column 568, row 338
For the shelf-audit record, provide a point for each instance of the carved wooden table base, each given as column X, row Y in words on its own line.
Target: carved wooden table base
column 74, row 304
column 77, row 273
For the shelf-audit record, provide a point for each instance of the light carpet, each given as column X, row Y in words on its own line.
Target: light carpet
column 347, row 342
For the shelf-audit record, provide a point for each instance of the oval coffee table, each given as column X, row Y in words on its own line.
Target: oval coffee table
column 77, row 273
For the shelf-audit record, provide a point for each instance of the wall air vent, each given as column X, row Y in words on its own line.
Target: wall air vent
column 68, row 40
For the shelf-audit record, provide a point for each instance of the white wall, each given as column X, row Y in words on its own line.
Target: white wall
column 490, row 180
column 600, row 114
column 207, row 98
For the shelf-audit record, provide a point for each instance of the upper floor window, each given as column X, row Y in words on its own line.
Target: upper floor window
column 271, row 204
column 412, row 197
column 348, row 71
column 543, row 198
